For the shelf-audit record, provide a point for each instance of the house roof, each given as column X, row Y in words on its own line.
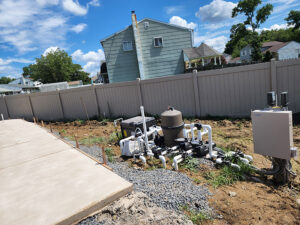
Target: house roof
column 202, row 51
column 76, row 82
column 172, row 25
column 275, row 48
column 271, row 43
column 4, row 88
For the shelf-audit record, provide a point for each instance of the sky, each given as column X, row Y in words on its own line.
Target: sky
column 31, row 28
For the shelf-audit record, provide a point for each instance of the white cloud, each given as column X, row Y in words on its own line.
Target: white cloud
column 173, row 9
column 79, row 27
column 14, row 60
column 217, row 40
column 91, row 60
column 176, row 20
column 10, row 71
column 74, row 7
column 216, row 11
column 28, row 25
column 47, row 2
column 273, row 27
column 50, row 49
column 94, row 3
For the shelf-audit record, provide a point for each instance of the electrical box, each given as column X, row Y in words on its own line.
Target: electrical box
column 128, row 126
column 272, row 133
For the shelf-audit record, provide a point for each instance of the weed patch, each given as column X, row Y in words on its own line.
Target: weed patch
column 196, row 217
column 228, row 175
column 191, row 164
column 109, row 154
column 92, row 140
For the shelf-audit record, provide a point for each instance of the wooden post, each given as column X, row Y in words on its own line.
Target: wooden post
column 103, row 155
column 50, row 128
column 34, row 120
column 42, row 123
column 196, row 93
column 76, row 140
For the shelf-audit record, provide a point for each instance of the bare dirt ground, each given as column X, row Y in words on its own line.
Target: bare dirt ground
column 257, row 201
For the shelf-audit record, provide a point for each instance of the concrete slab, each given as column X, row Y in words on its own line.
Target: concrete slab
column 45, row 181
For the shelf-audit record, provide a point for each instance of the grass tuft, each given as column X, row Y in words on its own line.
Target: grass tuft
column 92, row 140
column 109, row 154
column 196, row 217
column 191, row 164
column 228, row 175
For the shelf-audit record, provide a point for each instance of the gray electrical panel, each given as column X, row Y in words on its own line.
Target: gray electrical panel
column 272, row 133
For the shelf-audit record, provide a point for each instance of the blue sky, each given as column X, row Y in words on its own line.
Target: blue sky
column 30, row 28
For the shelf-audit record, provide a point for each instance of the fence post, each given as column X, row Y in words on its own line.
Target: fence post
column 32, row 112
column 60, row 103
column 196, row 92
column 273, row 75
column 6, row 107
column 96, row 98
column 139, row 92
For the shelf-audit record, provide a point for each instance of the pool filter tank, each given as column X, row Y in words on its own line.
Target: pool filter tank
column 172, row 126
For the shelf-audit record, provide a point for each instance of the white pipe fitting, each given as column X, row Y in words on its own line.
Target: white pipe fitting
column 192, row 132
column 143, row 159
column 163, row 160
column 148, row 150
column 209, row 130
column 2, row 116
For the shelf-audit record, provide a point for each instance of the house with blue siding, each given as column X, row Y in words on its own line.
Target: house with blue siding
column 146, row 49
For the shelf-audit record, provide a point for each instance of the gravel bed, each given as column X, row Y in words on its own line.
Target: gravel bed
column 166, row 188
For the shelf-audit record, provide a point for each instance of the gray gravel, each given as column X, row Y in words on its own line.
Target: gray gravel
column 167, row 189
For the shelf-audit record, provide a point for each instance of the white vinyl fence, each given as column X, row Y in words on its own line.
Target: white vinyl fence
column 232, row 92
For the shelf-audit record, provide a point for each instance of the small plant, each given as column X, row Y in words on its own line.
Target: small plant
column 113, row 138
column 197, row 181
column 196, row 217
column 239, row 125
column 62, row 131
column 191, row 164
column 228, row 175
column 109, row 154
column 92, row 140
column 80, row 122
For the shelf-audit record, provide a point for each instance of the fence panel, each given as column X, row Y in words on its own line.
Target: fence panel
column 19, row 106
column 176, row 91
column 72, row 105
column 3, row 109
column 288, row 79
column 233, row 91
column 118, row 99
column 46, row 106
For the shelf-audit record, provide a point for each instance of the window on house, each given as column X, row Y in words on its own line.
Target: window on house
column 158, row 42
column 127, row 46
column 249, row 51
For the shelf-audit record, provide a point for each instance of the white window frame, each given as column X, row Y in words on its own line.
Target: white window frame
column 126, row 42
column 162, row 42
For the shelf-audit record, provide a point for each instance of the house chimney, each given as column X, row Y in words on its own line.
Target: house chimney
column 138, row 45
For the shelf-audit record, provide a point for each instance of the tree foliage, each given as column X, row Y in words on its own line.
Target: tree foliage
column 56, row 66
column 293, row 19
column 240, row 36
column 5, row 80
column 249, row 8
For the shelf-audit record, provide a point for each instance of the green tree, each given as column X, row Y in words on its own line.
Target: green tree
column 5, row 80
column 254, row 18
column 267, row 57
column 56, row 66
column 294, row 19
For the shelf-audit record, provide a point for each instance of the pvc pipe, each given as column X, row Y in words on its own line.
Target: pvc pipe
column 163, row 160
column 143, row 159
column 145, row 130
column 177, row 159
column 2, row 116
column 208, row 127
column 192, row 131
